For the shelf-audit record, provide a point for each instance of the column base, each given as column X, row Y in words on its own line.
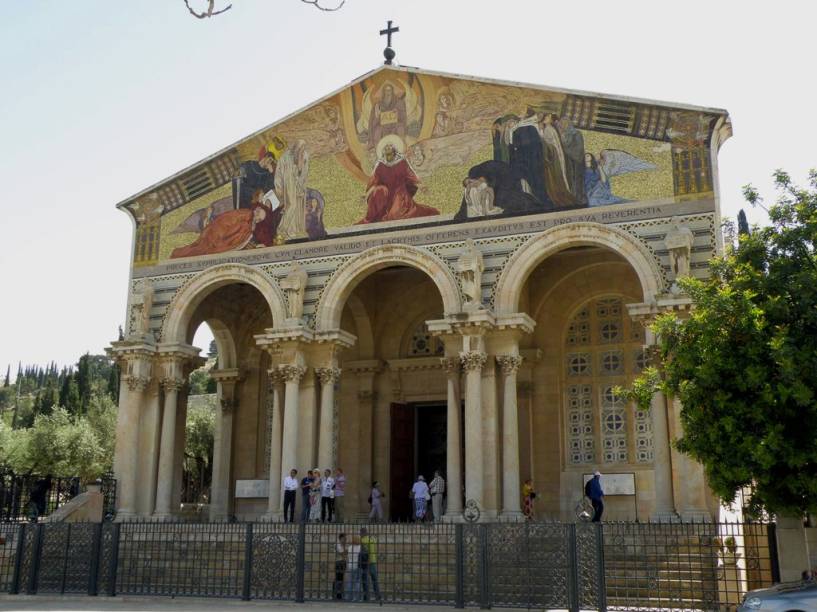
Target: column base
column 123, row 516
column 512, row 516
column 162, row 517
column 453, row 517
column 272, row 517
column 665, row 516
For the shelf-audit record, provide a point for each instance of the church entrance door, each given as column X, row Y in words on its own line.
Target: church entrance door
column 418, row 446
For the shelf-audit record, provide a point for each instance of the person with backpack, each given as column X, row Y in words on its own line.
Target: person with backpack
column 593, row 490
column 367, row 561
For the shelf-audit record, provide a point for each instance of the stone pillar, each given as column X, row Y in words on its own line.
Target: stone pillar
column 792, row 551
column 472, row 363
column 511, row 492
column 662, row 464
column 274, row 509
column 220, row 486
column 328, row 377
column 292, row 374
column 689, row 475
column 453, row 434
column 136, row 363
column 167, row 448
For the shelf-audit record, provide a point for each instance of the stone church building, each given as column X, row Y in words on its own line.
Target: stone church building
column 423, row 271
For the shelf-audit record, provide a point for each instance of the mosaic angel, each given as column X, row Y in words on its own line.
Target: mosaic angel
column 598, row 171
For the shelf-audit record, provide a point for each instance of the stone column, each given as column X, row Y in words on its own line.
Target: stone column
column 453, row 452
column 136, row 363
column 792, row 548
column 662, row 463
column 132, row 391
column 292, row 375
column 167, row 449
column 472, row 362
column 220, row 486
column 690, row 474
column 328, row 378
column 274, row 510
column 511, row 492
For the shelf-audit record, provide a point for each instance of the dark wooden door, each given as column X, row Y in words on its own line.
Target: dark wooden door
column 401, row 461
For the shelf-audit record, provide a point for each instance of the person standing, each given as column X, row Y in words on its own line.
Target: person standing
column 340, row 565
column 420, row 495
column 327, row 496
column 437, row 489
column 315, row 496
column 528, row 496
column 306, row 487
column 596, row 494
column 375, row 496
column 368, row 564
column 352, row 579
column 290, row 486
column 340, row 494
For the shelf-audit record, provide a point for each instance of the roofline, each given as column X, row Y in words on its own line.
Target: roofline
column 413, row 69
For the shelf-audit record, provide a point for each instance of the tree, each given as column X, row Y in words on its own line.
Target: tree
column 744, row 363
column 8, row 376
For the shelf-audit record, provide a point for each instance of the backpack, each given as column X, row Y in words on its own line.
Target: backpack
column 588, row 488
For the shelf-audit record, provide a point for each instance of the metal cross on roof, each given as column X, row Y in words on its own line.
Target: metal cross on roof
column 388, row 52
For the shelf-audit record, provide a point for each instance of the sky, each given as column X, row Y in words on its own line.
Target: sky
column 100, row 99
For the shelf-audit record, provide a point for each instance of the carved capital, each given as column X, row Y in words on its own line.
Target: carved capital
column 509, row 363
column 136, row 383
column 275, row 376
column 173, row 384
column 473, row 360
column 291, row 372
column 450, row 365
column 328, row 376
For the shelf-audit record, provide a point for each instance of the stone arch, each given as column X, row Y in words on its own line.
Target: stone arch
column 225, row 343
column 187, row 299
column 551, row 241
column 347, row 277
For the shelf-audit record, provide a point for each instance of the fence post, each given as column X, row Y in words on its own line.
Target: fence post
column 247, row 562
column 18, row 559
column 113, row 562
column 300, row 563
column 600, row 579
column 484, row 572
column 459, row 575
column 774, row 561
column 93, row 577
column 34, row 566
column 573, row 569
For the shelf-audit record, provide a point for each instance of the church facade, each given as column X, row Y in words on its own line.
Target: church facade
column 423, row 272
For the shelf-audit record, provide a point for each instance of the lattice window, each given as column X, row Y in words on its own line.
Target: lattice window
column 581, row 439
column 643, row 436
column 604, row 349
column 614, row 427
column 423, row 344
column 578, row 364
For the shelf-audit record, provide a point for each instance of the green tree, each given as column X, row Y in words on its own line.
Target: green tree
column 744, row 363
column 8, row 376
column 198, row 447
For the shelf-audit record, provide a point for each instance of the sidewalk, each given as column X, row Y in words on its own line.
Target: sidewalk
column 134, row 604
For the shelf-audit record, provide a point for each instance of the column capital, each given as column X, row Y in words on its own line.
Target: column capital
column 509, row 363
column 328, row 376
column 275, row 376
column 137, row 383
column 451, row 365
column 472, row 360
column 292, row 372
column 173, row 384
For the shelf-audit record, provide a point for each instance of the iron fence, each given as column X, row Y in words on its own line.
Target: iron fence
column 540, row 565
column 30, row 496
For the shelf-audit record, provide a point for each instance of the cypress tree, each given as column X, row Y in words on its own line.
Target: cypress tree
column 8, row 376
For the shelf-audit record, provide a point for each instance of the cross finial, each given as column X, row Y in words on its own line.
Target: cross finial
column 388, row 52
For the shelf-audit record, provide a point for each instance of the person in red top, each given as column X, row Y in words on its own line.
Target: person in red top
column 390, row 191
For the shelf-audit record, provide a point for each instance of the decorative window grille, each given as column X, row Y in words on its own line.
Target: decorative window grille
column 611, row 354
column 423, row 344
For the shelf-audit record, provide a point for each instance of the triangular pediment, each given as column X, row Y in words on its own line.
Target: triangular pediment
column 402, row 147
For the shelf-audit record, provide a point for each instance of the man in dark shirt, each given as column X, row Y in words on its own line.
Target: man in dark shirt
column 596, row 495
column 306, row 484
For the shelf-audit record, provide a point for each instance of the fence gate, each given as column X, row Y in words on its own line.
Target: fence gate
column 538, row 565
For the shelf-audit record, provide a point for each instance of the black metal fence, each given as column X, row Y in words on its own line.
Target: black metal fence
column 30, row 496
column 526, row 565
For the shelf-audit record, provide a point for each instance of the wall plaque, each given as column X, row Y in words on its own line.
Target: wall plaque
column 251, row 488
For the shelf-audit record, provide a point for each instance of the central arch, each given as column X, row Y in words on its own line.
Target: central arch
column 188, row 298
column 348, row 276
column 551, row 241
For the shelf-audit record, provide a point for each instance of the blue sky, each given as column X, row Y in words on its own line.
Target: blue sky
column 99, row 99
